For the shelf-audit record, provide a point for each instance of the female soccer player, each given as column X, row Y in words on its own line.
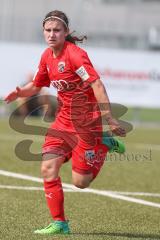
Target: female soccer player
column 77, row 129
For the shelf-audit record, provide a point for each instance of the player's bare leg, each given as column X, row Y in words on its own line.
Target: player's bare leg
column 81, row 181
column 54, row 195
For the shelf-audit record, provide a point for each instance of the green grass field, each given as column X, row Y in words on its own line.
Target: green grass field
column 92, row 216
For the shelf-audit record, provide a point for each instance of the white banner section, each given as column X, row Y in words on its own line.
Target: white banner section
column 131, row 78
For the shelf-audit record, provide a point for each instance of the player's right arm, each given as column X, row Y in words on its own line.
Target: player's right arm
column 41, row 79
column 28, row 90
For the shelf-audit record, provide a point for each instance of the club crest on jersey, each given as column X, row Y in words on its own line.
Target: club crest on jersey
column 90, row 154
column 61, row 66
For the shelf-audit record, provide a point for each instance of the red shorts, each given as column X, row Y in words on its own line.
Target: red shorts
column 86, row 149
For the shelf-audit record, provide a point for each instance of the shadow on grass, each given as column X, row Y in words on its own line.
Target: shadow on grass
column 127, row 235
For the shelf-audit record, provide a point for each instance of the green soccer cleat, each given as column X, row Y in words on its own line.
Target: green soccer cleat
column 114, row 144
column 56, row 227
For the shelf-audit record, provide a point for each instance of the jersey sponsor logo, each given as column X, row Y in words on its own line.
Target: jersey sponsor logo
column 61, row 85
column 61, row 66
column 82, row 73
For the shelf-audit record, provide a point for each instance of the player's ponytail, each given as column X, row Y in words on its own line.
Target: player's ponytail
column 64, row 19
column 73, row 39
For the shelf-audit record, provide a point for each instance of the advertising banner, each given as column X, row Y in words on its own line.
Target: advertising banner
column 131, row 78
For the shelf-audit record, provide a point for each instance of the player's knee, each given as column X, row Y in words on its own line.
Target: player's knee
column 44, row 171
column 81, row 184
column 48, row 172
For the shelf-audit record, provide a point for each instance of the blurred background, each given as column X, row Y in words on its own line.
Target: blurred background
column 123, row 44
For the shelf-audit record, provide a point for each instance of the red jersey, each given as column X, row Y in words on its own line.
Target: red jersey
column 71, row 73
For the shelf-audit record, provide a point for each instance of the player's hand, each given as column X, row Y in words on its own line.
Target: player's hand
column 116, row 128
column 13, row 95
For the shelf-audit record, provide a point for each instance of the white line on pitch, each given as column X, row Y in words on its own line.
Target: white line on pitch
column 89, row 190
column 30, row 188
column 79, row 190
column 137, row 193
column 20, row 187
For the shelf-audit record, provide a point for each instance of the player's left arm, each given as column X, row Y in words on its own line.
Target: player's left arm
column 102, row 97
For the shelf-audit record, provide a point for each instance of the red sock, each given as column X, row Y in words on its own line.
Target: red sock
column 55, row 198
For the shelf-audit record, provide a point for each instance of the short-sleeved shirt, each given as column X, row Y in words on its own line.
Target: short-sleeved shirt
column 76, row 131
column 71, row 73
